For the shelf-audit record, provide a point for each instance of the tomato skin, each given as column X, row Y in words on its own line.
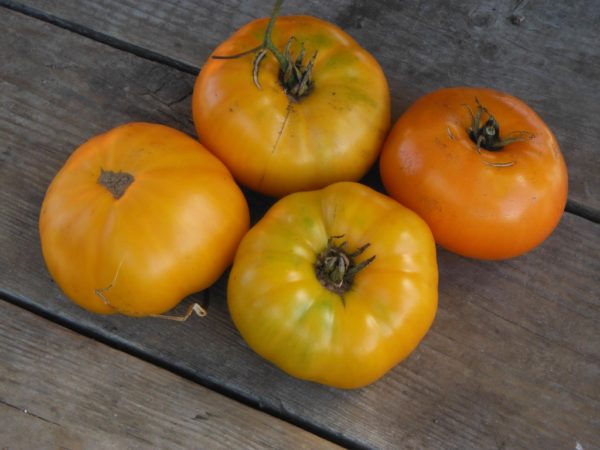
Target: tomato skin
column 287, row 316
column 275, row 144
column 173, row 231
column 430, row 164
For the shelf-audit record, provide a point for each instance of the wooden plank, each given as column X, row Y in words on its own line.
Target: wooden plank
column 513, row 358
column 550, row 59
column 62, row 390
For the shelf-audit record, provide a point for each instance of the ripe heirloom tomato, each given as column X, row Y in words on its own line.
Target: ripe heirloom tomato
column 322, row 121
column 482, row 169
column 138, row 218
column 308, row 293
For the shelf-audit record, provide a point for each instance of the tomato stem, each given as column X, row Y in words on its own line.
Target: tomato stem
column 294, row 76
column 335, row 268
column 487, row 135
column 268, row 43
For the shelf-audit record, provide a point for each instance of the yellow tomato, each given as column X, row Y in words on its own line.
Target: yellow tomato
column 306, row 294
column 138, row 218
column 276, row 142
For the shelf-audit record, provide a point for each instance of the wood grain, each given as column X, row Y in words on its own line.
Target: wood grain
column 61, row 390
column 550, row 58
column 512, row 360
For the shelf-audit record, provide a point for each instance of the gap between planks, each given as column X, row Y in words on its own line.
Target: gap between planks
column 572, row 206
column 61, row 388
column 117, row 344
column 99, row 37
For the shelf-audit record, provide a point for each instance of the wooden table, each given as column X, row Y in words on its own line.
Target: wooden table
column 513, row 357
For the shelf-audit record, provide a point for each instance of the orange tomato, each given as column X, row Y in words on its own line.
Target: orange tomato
column 482, row 169
column 275, row 142
column 138, row 218
column 309, row 294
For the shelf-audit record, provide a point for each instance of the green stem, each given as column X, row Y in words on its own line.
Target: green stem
column 268, row 43
column 295, row 77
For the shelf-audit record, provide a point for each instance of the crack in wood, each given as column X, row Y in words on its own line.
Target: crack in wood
column 29, row 413
column 24, row 290
column 179, row 99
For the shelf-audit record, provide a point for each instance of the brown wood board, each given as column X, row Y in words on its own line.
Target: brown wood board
column 73, row 392
column 513, row 356
column 545, row 52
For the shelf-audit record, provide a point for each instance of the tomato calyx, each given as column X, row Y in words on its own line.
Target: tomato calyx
column 486, row 135
column 295, row 76
column 335, row 268
column 116, row 182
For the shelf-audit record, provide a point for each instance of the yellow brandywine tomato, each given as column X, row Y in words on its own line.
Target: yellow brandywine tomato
column 138, row 218
column 315, row 115
column 336, row 285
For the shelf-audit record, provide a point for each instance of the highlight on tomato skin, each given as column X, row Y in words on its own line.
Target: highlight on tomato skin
column 335, row 286
column 291, row 109
column 138, row 218
column 481, row 168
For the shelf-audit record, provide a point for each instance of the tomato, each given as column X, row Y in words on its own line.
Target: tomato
column 138, row 218
column 335, row 285
column 276, row 141
column 493, row 200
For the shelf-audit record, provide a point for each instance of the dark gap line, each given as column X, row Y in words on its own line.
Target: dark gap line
column 126, row 347
column 99, row 37
column 585, row 212
column 572, row 206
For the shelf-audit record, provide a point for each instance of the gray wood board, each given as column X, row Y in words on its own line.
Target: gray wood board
column 513, row 358
column 551, row 59
column 62, row 390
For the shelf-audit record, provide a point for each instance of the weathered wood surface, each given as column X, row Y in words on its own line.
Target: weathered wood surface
column 550, row 59
column 513, row 358
column 73, row 392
